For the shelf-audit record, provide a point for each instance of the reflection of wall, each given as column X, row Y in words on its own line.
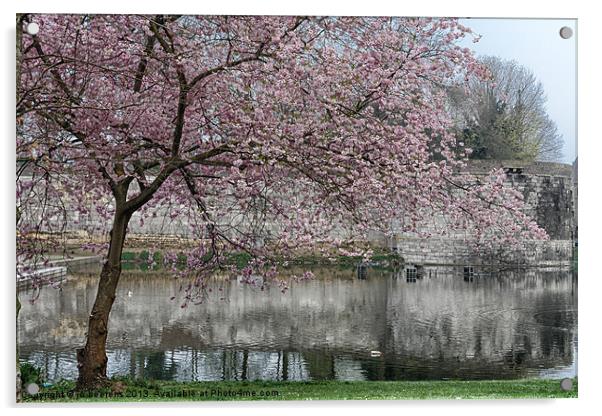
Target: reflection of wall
column 460, row 321
column 436, row 327
column 304, row 315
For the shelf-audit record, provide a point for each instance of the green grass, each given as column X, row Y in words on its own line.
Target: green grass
column 125, row 390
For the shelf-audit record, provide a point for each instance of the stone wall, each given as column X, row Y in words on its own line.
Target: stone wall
column 549, row 191
column 441, row 251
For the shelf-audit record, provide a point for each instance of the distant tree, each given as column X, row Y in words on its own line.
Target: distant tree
column 505, row 117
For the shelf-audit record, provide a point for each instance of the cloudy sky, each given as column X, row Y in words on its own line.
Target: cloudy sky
column 537, row 45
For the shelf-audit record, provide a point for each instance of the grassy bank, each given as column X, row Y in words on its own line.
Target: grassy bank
column 143, row 391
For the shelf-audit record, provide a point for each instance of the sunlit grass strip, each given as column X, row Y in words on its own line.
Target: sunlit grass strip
column 124, row 390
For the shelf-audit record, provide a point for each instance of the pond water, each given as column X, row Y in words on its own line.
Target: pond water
column 442, row 325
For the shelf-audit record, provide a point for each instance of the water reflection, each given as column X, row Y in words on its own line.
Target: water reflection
column 434, row 324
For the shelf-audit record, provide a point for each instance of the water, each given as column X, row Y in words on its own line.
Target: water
column 441, row 326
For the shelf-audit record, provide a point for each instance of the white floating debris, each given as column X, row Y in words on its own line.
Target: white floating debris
column 375, row 353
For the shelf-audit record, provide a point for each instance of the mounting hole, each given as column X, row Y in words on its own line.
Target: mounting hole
column 33, row 28
column 32, row 389
column 566, row 384
column 566, row 32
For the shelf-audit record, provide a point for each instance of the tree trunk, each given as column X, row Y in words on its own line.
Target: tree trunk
column 92, row 359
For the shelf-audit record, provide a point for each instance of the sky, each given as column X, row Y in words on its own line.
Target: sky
column 537, row 45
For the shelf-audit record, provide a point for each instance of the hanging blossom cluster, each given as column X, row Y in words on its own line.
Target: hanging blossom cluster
column 268, row 134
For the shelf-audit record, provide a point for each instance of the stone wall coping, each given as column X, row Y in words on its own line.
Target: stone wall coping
column 531, row 168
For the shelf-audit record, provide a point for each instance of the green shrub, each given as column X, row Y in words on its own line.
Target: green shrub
column 31, row 374
column 240, row 259
column 128, row 256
